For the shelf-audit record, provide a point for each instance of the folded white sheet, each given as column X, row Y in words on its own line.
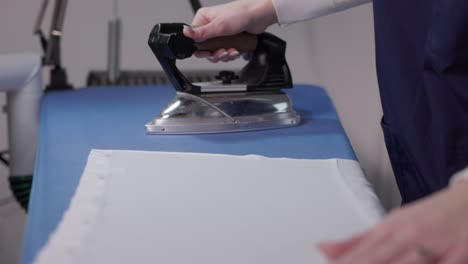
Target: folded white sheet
column 174, row 208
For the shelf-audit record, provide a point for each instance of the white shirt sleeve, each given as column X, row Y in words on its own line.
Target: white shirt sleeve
column 461, row 176
column 291, row 11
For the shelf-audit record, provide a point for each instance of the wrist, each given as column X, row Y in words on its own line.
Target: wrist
column 263, row 13
column 269, row 12
column 460, row 190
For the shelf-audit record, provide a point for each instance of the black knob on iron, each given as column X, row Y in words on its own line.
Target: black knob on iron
column 227, row 76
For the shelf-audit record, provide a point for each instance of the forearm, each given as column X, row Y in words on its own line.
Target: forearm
column 291, row 11
column 459, row 194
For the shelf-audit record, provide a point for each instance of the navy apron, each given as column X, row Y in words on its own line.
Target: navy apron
column 422, row 67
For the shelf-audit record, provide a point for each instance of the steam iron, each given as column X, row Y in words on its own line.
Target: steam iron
column 248, row 100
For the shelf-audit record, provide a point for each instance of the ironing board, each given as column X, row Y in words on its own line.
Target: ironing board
column 74, row 122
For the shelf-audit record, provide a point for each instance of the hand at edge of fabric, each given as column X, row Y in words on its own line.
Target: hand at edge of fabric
column 432, row 230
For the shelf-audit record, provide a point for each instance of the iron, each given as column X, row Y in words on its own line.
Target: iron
column 251, row 99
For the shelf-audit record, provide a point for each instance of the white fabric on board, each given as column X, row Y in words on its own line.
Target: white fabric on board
column 160, row 207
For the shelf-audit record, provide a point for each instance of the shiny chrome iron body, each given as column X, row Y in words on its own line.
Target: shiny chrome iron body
column 224, row 112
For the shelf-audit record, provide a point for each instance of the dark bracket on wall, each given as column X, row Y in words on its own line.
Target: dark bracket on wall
column 195, row 5
column 51, row 46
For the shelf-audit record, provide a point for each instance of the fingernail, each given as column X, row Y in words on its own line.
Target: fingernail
column 188, row 30
column 234, row 53
column 224, row 54
column 213, row 59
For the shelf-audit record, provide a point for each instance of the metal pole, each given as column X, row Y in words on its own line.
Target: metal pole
column 53, row 49
column 113, row 49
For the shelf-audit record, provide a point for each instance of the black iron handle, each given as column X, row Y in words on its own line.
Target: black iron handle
column 243, row 42
column 266, row 70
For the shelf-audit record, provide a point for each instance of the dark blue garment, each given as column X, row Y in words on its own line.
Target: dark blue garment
column 422, row 66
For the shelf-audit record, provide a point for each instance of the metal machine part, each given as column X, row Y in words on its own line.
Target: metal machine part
column 51, row 46
column 114, row 46
column 136, row 77
column 21, row 79
column 248, row 100
column 195, row 5
column 224, row 112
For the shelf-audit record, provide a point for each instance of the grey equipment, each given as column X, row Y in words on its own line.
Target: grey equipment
column 51, row 46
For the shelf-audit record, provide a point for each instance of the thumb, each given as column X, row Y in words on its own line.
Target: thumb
column 210, row 30
column 334, row 250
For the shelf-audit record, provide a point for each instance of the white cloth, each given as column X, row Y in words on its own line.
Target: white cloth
column 291, row 11
column 174, row 208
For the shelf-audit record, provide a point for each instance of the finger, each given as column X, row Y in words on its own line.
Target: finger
column 217, row 55
column 202, row 54
column 205, row 32
column 458, row 254
column 188, row 32
column 213, row 29
column 457, row 257
column 395, row 245
column 411, row 257
column 360, row 252
column 334, row 250
column 224, row 57
column 201, row 17
column 233, row 54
